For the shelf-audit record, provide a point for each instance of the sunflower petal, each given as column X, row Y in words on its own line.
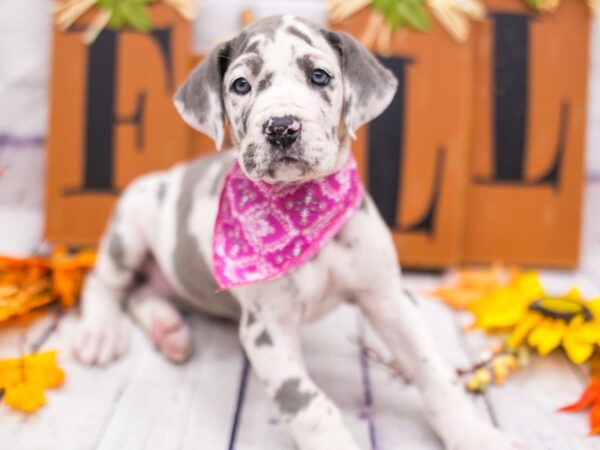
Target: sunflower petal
column 578, row 351
column 521, row 331
column 574, row 294
column 547, row 336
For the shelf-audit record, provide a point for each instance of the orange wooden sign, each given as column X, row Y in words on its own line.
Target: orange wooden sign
column 413, row 156
column 111, row 119
column 526, row 169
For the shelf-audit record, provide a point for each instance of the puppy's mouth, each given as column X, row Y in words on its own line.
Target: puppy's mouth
column 288, row 160
column 285, row 165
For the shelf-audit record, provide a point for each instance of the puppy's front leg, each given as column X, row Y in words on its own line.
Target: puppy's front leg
column 400, row 324
column 101, row 335
column 271, row 340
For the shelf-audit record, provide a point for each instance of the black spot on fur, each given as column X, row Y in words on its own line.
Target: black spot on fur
column 367, row 76
column 291, row 399
column 250, row 320
column 160, row 193
column 263, row 339
column 265, row 27
column 306, row 65
column 342, row 241
column 347, row 104
column 116, row 251
column 363, row 205
column 265, row 83
column 191, row 269
column 244, row 120
column 411, row 296
column 299, row 34
column 193, row 95
column 218, row 180
column 325, row 96
column 252, row 48
column 248, row 157
column 256, row 64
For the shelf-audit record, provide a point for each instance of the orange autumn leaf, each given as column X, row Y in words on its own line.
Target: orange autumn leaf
column 8, row 262
column 589, row 399
column 470, row 285
column 69, row 273
column 29, row 283
column 25, row 379
column 23, row 287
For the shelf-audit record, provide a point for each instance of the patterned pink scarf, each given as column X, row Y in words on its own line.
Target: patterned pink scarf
column 264, row 231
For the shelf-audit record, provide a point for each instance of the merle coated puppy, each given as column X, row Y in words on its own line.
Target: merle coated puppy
column 292, row 96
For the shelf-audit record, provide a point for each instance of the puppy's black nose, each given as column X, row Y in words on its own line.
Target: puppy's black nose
column 282, row 131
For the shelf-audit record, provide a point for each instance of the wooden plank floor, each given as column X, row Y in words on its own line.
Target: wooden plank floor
column 214, row 402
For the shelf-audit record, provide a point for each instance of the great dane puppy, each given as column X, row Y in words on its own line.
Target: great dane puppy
column 156, row 251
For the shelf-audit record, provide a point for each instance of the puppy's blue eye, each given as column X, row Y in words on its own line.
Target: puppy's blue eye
column 240, row 86
column 320, row 77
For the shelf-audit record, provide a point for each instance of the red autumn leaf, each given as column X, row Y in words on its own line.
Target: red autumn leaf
column 590, row 395
column 589, row 399
column 595, row 419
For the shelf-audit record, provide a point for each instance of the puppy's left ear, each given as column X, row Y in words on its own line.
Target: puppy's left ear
column 200, row 99
column 369, row 87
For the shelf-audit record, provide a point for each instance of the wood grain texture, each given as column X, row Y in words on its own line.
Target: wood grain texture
column 144, row 402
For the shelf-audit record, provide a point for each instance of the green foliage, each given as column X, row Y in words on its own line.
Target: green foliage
column 400, row 13
column 533, row 4
column 131, row 13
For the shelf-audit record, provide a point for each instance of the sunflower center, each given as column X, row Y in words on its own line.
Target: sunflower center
column 561, row 308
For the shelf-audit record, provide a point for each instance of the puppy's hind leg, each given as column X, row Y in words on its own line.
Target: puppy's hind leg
column 162, row 321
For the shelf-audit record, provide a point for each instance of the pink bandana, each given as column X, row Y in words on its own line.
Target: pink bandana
column 264, row 231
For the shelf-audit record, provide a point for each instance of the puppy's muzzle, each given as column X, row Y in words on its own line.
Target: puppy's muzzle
column 283, row 131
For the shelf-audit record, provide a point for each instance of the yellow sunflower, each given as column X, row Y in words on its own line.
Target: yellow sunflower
column 522, row 309
column 569, row 321
column 504, row 307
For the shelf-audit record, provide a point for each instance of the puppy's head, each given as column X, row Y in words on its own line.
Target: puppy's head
column 291, row 93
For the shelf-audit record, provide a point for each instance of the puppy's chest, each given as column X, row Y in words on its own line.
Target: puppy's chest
column 332, row 277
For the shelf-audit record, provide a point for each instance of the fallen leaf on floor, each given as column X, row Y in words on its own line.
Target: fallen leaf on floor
column 29, row 283
column 469, row 285
column 24, row 380
column 589, row 399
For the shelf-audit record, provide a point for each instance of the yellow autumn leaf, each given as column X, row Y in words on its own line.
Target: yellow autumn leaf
column 25, row 379
column 25, row 396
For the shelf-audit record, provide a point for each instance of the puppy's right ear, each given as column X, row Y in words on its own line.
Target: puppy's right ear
column 200, row 99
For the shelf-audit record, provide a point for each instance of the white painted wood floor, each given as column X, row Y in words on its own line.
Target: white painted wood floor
column 214, row 402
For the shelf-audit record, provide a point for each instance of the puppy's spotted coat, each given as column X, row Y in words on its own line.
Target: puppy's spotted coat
column 293, row 95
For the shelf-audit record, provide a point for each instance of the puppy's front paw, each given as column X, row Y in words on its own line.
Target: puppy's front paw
column 485, row 437
column 99, row 342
